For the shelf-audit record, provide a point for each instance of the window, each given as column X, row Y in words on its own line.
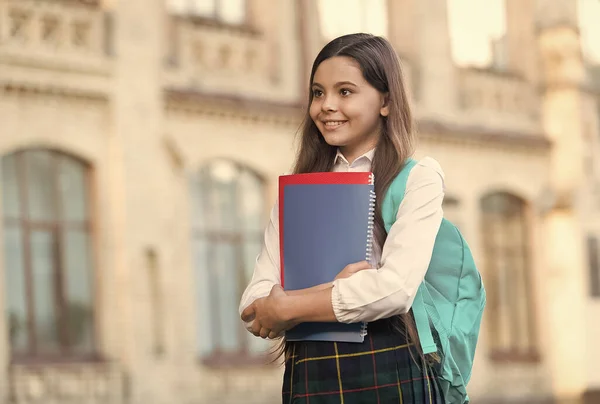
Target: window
column 507, row 262
column 478, row 33
column 227, row 11
column 336, row 19
column 228, row 210
column 47, row 254
column 594, row 266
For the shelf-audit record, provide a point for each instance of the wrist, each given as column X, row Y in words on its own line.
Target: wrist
column 288, row 310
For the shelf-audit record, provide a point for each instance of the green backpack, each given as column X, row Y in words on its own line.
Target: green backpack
column 450, row 300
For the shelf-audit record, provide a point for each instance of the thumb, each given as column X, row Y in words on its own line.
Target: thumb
column 248, row 313
column 277, row 289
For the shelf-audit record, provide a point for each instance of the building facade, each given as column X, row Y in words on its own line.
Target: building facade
column 141, row 142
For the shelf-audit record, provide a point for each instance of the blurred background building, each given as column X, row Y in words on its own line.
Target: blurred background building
column 141, row 141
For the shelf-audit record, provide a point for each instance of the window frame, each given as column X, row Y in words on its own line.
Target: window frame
column 58, row 228
column 491, row 249
column 237, row 238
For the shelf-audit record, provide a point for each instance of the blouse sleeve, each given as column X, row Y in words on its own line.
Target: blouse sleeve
column 373, row 294
column 266, row 270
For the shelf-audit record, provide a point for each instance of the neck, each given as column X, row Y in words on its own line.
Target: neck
column 351, row 153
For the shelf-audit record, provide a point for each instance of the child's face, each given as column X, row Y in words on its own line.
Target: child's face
column 345, row 107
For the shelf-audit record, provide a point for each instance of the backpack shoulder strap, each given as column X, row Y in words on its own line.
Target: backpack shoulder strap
column 389, row 211
column 395, row 194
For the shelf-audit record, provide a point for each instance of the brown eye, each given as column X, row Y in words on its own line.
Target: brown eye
column 317, row 93
column 344, row 92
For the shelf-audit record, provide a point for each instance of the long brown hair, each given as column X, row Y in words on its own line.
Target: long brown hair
column 381, row 69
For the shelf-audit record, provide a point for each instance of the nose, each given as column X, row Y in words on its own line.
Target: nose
column 328, row 104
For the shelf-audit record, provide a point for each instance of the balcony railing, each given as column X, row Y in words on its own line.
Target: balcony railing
column 217, row 58
column 496, row 97
column 54, row 34
column 84, row 383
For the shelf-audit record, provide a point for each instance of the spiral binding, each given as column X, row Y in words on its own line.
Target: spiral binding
column 370, row 237
column 371, row 228
column 363, row 329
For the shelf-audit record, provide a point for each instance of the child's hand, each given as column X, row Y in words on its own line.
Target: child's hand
column 351, row 269
column 268, row 315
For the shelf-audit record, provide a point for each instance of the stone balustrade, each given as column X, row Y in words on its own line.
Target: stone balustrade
column 497, row 96
column 85, row 383
column 207, row 56
column 59, row 34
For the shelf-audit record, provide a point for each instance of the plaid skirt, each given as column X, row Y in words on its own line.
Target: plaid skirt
column 380, row 370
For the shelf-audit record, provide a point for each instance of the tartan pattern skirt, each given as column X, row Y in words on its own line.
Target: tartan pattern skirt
column 380, row 370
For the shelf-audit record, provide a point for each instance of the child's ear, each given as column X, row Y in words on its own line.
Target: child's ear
column 385, row 109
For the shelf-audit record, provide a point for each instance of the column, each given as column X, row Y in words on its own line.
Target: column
column 565, row 293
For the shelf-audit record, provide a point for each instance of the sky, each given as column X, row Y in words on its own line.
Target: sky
column 589, row 19
column 473, row 24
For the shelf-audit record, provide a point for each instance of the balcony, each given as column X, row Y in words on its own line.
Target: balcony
column 47, row 41
column 498, row 99
column 215, row 58
column 82, row 383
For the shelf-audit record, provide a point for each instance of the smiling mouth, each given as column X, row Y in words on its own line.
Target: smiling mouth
column 331, row 125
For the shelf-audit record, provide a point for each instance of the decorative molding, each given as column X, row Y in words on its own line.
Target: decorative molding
column 35, row 89
column 218, row 25
column 85, row 3
column 227, row 106
column 230, row 106
column 478, row 135
column 556, row 25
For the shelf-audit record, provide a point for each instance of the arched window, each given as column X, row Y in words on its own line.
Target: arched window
column 507, row 269
column 229, row 219
column 48, row 263
column 350, row 16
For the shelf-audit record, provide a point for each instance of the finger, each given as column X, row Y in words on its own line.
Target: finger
column 255, row 329
column 248, row 314
column 264, row 332
column 273, row 335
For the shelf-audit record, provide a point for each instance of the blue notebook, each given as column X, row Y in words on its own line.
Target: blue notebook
column 326, row 223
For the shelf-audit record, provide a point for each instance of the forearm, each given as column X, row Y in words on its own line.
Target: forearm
column 310, row 307
column 313, row 289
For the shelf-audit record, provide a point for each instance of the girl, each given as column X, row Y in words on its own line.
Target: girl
column 358, row 119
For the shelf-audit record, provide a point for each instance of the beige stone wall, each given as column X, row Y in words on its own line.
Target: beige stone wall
column 172, row 95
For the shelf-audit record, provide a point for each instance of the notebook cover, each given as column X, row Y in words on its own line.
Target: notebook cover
column 324, row 226
column 313, row 178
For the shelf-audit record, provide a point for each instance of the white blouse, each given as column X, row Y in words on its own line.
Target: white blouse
column 380, row 292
